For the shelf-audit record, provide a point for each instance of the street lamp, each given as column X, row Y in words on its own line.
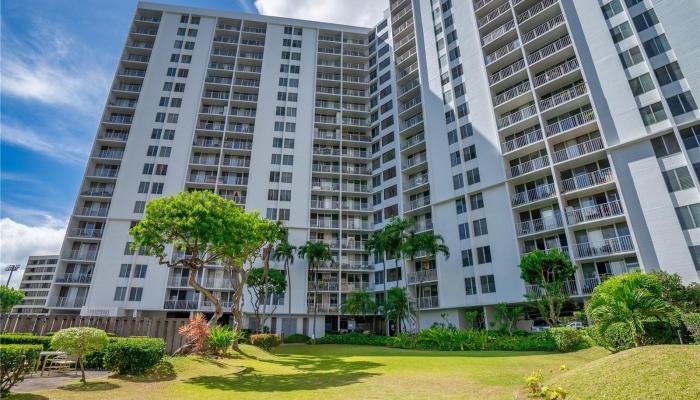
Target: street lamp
column 11, row 268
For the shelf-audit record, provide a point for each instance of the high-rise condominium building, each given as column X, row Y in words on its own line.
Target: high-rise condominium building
column 36, row 283
column 504, row 126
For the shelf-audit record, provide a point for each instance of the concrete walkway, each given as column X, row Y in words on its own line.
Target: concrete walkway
column 35, row 382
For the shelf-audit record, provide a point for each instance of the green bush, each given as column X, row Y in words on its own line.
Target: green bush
column 617, row 338
column 446, row 339
column 95, row 360
column 221, row 338
column 402, row 340
column 295, row 338
column 16, row 360
column 659, row 332
column 267, row 341
column 25, row 338
column 569, row 339
column 133, row 356
column 692, row 324
column 353, row 338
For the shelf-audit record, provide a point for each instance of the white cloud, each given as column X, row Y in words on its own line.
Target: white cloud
column 61, row 146
column 365, row 13
column 18, row 241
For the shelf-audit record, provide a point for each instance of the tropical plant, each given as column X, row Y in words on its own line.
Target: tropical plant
column 360, row 303
column 284, row 252
column 9, row 298
column 633, row 299
column 507, row 316
column 197, row 332
column 569, row 339
column 398, row 307
column 263, row 286
column 692, row 324
column 203, row 228
column 16, row 361
column 376, row 246
column 221, row 338
column 315, row 253
column 77, row 342
column 548, row 272
column 685, row 298
column 266, row 341
column 395, row 233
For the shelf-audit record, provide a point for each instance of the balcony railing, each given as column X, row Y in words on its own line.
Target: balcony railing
column 501, row 52
column 578, row 150
column 556, row 72
column 534, row 10
column 413, row 140
column 411, row 122
column 357, row 266
column 590, row 179
column 426, row 225
column 539, row 225
column 606, row 247
column 104, row 172
column 353, row 286
column 409, row 104
column 121, row 136
column 549, row 49
column 355, row 206
column 516, row 116
column 325, row 168
column 325, row 204
column 244, row 97
column 324, row 223
column 324, row 286
column 498, row 32
column 507, row 71
column 352, row 224
column 568, row 123
column 568, row 287
column 236, row 162
column 111, row 154
column 322, row 308
column 218, row 283
column 405, row 56
column 563, row 249
column 415, row 160
column 543, row 29
column 408, row 87
column 418, row 203
column 522, row 141
column 563, row 96
column 92, row 212
column 119, row 119
column 69, row 302
column 529, row 166
column 354, row 187
column 589, row 284
column 429, row 275
column 428, row 302
column 592, row 213
column 511, row 93
column 98, row 191
column 233, row 180
column 73, row 278
column 181, row 304
column 85, row 233
column 202, row 179
column 180, row 281
column 417, row 181
column 539, row 193
column 502, row 9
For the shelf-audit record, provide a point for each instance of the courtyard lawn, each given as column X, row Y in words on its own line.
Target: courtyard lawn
column 340, row 372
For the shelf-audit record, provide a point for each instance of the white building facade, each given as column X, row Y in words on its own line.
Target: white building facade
column 504, row 126
column 39, row 273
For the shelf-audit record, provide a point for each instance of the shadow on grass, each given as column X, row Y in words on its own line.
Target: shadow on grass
column 163, row 371
column 27, row 396
column 342, row 350
column 89, row 387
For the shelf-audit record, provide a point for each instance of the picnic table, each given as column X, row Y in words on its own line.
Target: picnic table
column 45, row 357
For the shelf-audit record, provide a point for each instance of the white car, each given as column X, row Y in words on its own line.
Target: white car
column 540, row 328
column 576, row 325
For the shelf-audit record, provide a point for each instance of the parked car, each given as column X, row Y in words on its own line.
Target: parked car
column 540, row 327
column 576, row 325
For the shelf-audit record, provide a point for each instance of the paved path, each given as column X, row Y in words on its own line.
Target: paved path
column 35, row 382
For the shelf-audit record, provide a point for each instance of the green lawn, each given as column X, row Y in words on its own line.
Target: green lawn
column 339, row 372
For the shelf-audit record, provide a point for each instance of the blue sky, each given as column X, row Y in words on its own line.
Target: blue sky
column 58, row 60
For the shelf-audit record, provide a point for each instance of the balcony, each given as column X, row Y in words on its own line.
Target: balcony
column 569, row 123
column 501, row 52
column 356, row 170
column 418, row 277
column 355, row 122
column 534, row 10
column 328, row 186
column 218, row 283
column 507, row 71
column 418, row 203
column 218, row 65
column 237, row 198
column 118, row 136
column 578, row 150
column 426, row 225
column 415, row 160
column 128, row 88
column 324, row 286
column 236, row 162
column 529, row 166
column 587, row 180
column 71, row 277
column 522, row 141
column 92, row 212
column 511, row 93
column 594, row 213
column 104, row 172
column 356, row 206
column 248, row 113
column 209, row 94
column 356, row 187
column 516, row 116
column 180, row 281
column 405, row 56
column 563, row 249
column 323, row 223
column 90, row 233
column 332, row 169
column 322, row 308
column 180, row 304
column 325, row 204
column 417, row 181
column 69, row 302
column 491, row 16
column 409, row 104
column 110, row 154
column 543, row 29
column 411, row 122
column 355, row 286
column 98, row 191
column 354, row 153
column 548, row 50
column 80, row 255
column 428, row 302
column 563, row 96
column 568, row 287
column 356, row 225
column 539, row 193
column 539, row 225
column 413, row 140
column 556, row 72
column 233, row 180
column 211, row 126
column 211, row 179
column 497, row 33
column 355, row 266
column 606, row 247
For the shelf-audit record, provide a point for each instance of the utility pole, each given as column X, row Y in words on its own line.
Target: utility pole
column 11, row 268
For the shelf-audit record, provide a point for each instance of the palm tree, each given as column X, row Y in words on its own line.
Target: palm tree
column 398, row 306
column 429, row 243
column 285, row 252
column 360, row 302
column 315, row 253
column 395, row 237
column 376, row 245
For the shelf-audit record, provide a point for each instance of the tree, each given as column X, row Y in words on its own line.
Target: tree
column 315, row 253
column 9, row 298
column 508, row 316
column 632, row 299
column 78, row 342
column 284, row 252
column 686, row 298
column 203, row 228
column 395, row 234
column 263, row 285
column 360, row 303
column 398, row 306
column 376, row 246
column 429, row 243
column 548, row 272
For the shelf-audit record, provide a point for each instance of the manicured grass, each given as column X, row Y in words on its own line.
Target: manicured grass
column 653, row 372
column 334, row 372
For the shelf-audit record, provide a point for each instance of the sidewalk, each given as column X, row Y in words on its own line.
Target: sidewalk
column 35, row 382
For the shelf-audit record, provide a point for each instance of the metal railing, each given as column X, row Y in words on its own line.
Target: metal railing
column 539, row 225
column 507, row 71
column 180, row 281
column 85, row 232
column 556, row 72
column 592, row 213
column 522, row 141
column 71, row 277
column 324, row 286
column 501, row 52
column 500, row 10
column 587, row 180
column 534, row 10
column 529, row 166
column 97, row 191
column 578, row 149
column 563, row 96
column 92, row 212
column 411, row 122
column 417, row 181
column 542, row 29
column 415, row 160
column 569, row 287
column 325, row 204
column 517, row 116
column 413, row 140
column 511, row 93
column 569, row 123
column 421, row 276
column 69, row 302
column 616, row 245
column 563, row 249
column 418, row 203
column 549, row 49
column 539, row 193
column 180, row 304
column 497, row 33
column 111, row 154
column 428, row 302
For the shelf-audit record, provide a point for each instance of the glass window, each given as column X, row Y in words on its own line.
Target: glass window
column 641, row 84
column 681, row 103
column 488, row 283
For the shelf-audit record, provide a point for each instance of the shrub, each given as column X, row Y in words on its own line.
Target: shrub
column 267, row 341
column 25, row 338
column 134, row 355
column 569, row 339
column 95, row 360
column 402, row 340
column 692, row 324
column 197, row 332
column 616, row 338
column 533, row 382
column 221, row 338
column 16, row 360
column 659, row 332
column 353, row 338
column 77, row 342
column 296, row 338
column 9, row 298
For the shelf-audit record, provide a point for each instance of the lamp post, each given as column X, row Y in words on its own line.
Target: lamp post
column 11, row 268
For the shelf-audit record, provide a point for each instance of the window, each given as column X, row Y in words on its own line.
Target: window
column 452, row 136
column 678, row 179
column 480, row 227
column 192, row 32
column 152, row 151
column 689, row 216
column 143, row 187
column 189, row 45
column 476, row 201
column 668, row 73
column 488, row 284
column 466, row 131
column 691, row 137
column 183, row 72
column 139, row 207
column 457, row 71
column 463, row 230
column 135, row 293
column 272, row 194
column 160, row 117
column 177, row 44
column 128, row 250
column 285, row 195
column 470, row 152
column 470, row 286
column 653, row 113
column 631, row 57
column 621, row 32
column 462, row 110
column 287, row 159
column 461, row 205
column 161, row 169
column 284, row 214
column 467, row 258
column 176, row 102
column 157, row 188
column 120, row 293
column 155, row 133
column 695, row 254
column 165, row 151
column 656, row 45
column 288, row 143
column 645, row 20
column 183, row 20
column 125, row 270
column 681, row 103
column 455, row 159
column 172, row 118
column 286, row 177
column 163, row 102
column 195, row 20
column 641, row 84
column 140, row 271
column 457, row 181
column 174, row 58
column 169, row 134
column 179, row 87
column 276, row 159
column 271, row 213
column 171, row 71
column 612, row 8
column 473, row 176
column 665, row 145
column 483, row 254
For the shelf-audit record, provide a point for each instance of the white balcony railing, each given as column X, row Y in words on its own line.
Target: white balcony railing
column 578, row 150
column 534, row 10
column 539, row 193
column 568, row 287
column 413, row 140
column 85, row 232
column 549, row 49
column 606, row 247
column 428, row 302
column 418, row 203
column 511, row 93
column 556, row 72
column 180, row 305
column 82, row 255
column 498, row 32
column 500, row 10
column 529, row 166
column 507, row 71
column 592, row 213
column 590, row 179
column 69, row 302
column 516, row 116
column 522, row 141
column 429, row 275
column 568, row 123
column 543, row 29
column 563, row 96
column 71, row 277
column 501, row 52
column 539, row 225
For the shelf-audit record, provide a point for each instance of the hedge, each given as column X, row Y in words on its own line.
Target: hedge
column 133, row 355
column 16, row 360
column 295, row 338
column 24, row 338
column 267, row 341
column 353, row 338
column 569, row 339
column 692, row 324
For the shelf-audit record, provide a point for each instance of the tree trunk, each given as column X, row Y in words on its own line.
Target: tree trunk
column 237, row 302
column 289, row 285
column 82, row 369
column 386, row 319
column 418, row 306
column 313, row 334
column 218, row 310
